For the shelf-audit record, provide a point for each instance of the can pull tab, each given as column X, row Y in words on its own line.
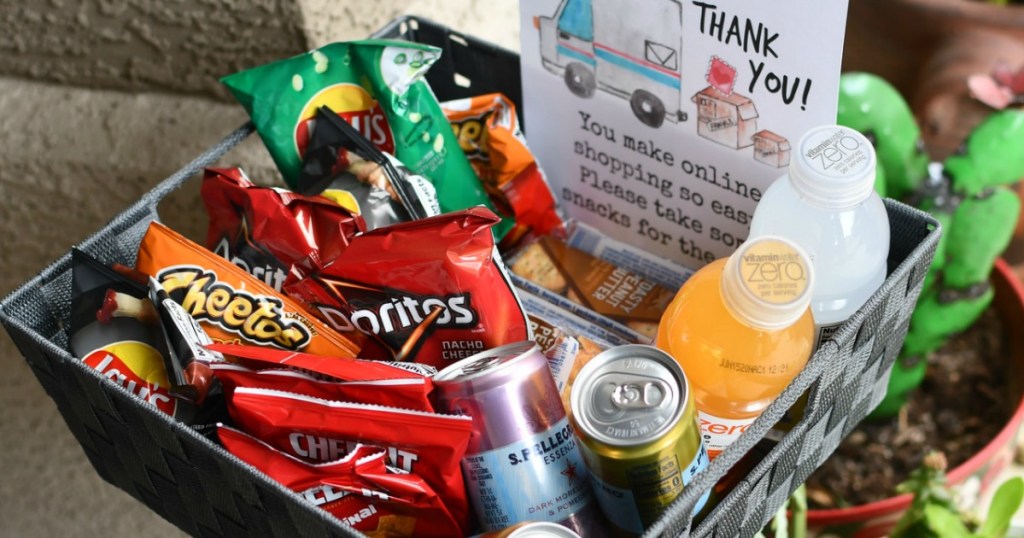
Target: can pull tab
column 639, row 395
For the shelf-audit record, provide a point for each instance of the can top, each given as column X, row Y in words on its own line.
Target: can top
column 535, row 529
column 486, row 362
column 629, row 395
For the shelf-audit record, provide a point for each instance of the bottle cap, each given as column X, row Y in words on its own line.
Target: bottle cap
column 767, row 282
column 835, row 167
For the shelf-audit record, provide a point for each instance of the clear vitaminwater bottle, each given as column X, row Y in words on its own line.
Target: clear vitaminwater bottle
column 742, row 329
column 827, row 205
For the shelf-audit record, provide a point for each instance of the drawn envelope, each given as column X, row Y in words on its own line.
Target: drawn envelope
column 662, row 55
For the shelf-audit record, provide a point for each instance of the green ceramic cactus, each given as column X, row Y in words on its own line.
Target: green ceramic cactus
column 993, row 155
column 872, row 106
column 969, row 197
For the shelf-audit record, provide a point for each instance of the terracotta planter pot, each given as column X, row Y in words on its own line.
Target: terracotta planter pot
column 877, row 518
column 927, row 49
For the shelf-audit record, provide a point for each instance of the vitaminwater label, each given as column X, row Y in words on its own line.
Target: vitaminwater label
column 635, row 508
column 824, row 333
column 719, row 433
column 774, row 271
column 540, row 478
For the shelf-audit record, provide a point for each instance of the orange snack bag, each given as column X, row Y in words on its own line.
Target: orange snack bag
column 231, row 305
column 487, row 129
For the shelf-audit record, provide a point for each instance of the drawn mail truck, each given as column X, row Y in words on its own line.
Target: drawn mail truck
column 628, row 49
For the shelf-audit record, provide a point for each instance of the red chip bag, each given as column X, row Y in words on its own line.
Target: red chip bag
column 358, row 489
column 427, row 444
column 344, row 369
column 230, row 304
column 402, row 393
column 431, row 291
column 265, row 230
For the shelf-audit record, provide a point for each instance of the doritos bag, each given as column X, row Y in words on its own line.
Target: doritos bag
column 265, row 230
column 427, row 444
column 431, row 291
column 230, row 304
column 488, row 132
column 359, row 489
column 376, row 86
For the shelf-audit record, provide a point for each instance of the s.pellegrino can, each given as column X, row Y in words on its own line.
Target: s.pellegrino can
column 634, row 415
column 522, row 463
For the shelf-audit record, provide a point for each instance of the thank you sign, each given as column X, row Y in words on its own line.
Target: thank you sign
column 662, row 122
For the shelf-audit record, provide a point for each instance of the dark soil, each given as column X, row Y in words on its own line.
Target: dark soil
column 962, row 404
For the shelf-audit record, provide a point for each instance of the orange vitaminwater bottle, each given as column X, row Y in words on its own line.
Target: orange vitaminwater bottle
column 741, row 328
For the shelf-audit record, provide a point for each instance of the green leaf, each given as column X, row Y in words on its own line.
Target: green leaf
column 944, row 522
column 1005, row 503
column 781, row 523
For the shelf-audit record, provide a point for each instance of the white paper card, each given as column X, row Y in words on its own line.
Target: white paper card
column 661, row 122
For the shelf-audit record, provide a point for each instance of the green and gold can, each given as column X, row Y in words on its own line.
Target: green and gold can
column 634, row 415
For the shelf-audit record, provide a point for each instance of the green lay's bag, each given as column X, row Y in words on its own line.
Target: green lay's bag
column 377, row 86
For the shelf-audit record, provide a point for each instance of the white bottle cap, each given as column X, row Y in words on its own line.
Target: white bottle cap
column 834, row 168
column 767, row 283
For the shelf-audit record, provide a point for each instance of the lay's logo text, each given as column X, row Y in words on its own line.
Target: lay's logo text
column 256, row 318
column 356, row 106
column 137, row 367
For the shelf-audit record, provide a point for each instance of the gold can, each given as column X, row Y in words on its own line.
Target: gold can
column 633, row 412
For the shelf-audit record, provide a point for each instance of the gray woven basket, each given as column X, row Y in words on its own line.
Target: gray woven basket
column 205, row 491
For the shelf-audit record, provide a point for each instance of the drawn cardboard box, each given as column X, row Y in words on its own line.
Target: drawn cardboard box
column 730, row 120
column 771, row 149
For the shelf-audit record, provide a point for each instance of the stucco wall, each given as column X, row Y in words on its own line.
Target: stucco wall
column 330, row 20
column 169, row 46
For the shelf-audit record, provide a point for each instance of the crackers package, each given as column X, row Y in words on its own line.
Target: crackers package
column 573, row 278
column 567, row 352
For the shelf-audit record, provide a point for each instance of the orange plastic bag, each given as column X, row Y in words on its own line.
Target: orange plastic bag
column 231, row 305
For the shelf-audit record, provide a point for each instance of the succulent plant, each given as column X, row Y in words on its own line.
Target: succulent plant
column 969, row 194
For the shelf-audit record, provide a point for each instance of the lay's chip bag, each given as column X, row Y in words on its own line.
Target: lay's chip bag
column 375, row 85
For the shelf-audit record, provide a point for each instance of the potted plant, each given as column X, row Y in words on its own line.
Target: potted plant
column 934, row 511
column 969, row 194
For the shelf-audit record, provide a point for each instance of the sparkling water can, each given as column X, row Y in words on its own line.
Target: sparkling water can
column 523, row 462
